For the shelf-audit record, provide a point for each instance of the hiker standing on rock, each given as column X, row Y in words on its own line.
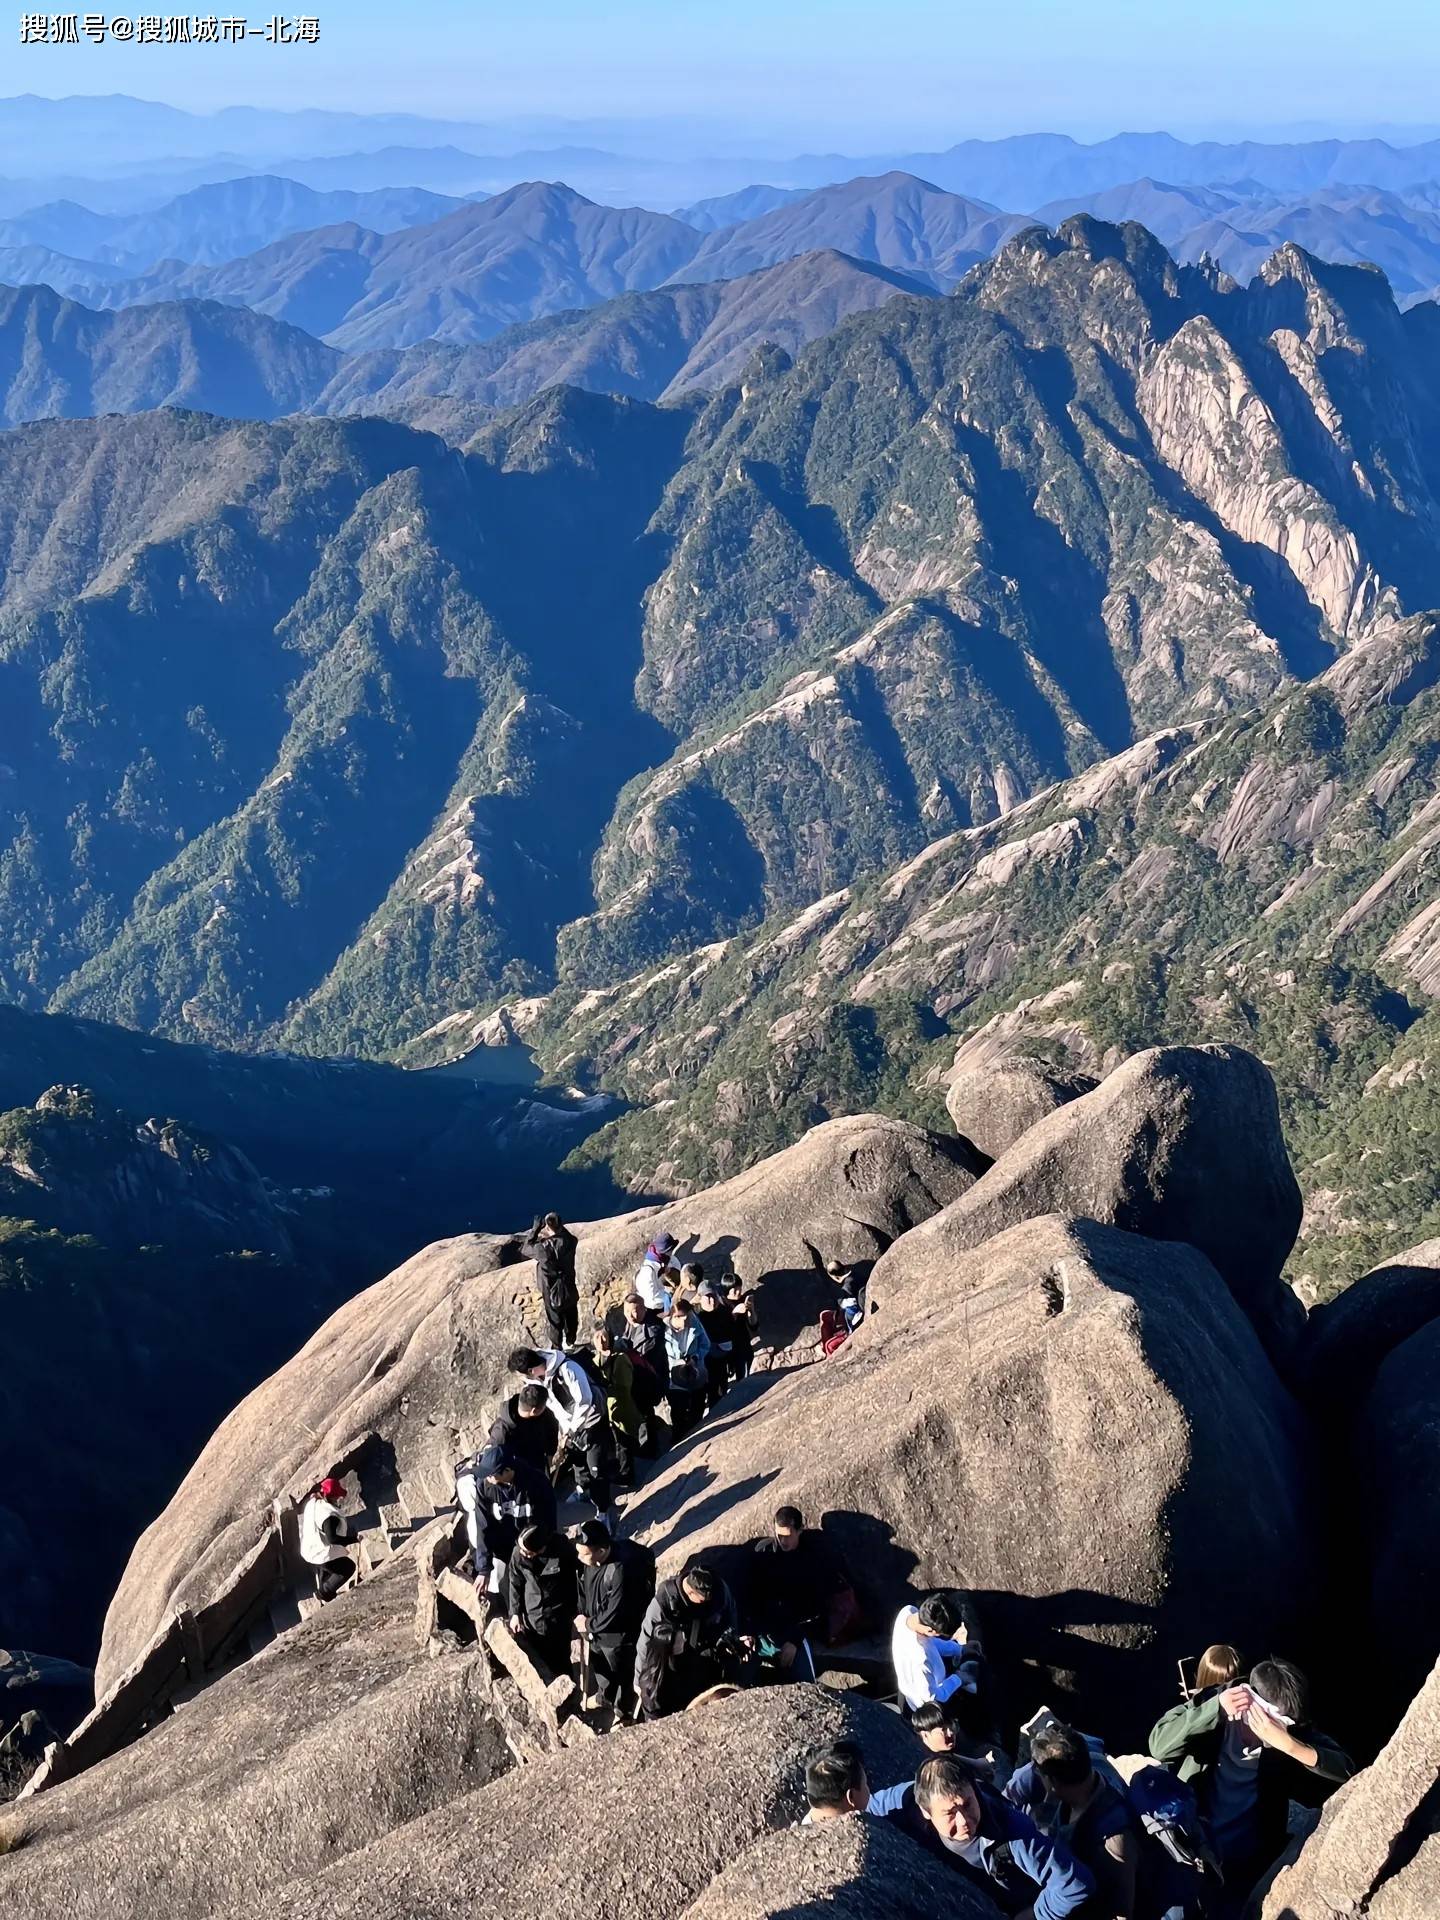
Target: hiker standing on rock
column 744, row 1325
column 687, row 1354
column 539, row 1595
column 575, row 1400
column 551, row 1245
column 616, row 1367
column 325, row 1536
column 617, row 1583
column 643, row 1337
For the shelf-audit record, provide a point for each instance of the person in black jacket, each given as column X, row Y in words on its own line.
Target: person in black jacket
column 644, row 1335
column 526, row 1429
column 500, row 1497
column 793, row 1576
column 617, row 1580
column 690, row 1631
column 551, row 1245
column 539, row 1590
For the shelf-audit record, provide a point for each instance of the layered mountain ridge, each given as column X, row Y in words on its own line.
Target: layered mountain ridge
column 956, row 552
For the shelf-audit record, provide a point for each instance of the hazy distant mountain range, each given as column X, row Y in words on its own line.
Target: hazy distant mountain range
column 61, row 360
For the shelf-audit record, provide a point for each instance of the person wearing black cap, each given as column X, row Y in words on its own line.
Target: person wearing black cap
column 617, row 1579
column 551, row 1245
column 500, row 1496
column 539, row 1595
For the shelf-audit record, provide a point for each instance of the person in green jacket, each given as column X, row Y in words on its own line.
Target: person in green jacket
column 1249, row 1750
column 614, row 1366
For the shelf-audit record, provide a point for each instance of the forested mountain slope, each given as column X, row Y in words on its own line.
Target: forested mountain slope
column 425, row 729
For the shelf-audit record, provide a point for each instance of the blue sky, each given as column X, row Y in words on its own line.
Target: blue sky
column 815, row 72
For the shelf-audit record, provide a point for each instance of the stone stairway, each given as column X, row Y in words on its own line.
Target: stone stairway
column 383, row 1519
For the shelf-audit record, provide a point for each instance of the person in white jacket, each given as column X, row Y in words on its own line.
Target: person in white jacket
column 655, row 1269
column 579, row 1409
column 923, row 1640
column 325, row 1537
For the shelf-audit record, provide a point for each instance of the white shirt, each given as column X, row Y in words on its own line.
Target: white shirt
column 315, row 1549
column 583, row 1409
column 920, row 1662
column 650, row 1285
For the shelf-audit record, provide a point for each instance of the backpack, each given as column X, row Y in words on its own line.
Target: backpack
column 584, row 1358
column 833, row 1331
column 1177, row 1871
column 1177, row 1868
column 645, row 1386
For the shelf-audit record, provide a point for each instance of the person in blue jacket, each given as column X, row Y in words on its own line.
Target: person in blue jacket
column 956, row 1818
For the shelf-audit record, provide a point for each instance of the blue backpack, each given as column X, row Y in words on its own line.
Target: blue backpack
column 1178, row 1873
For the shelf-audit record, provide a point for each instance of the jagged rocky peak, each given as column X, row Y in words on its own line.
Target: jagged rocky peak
column 1329, row 305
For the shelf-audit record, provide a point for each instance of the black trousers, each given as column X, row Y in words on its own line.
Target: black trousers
column 612, row 1671
column 562, row 1317
column 589, row 1456
column 332, row 1576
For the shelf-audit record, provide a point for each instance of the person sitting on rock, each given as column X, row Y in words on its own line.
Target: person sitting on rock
column 551, row 1245
column 580, row 1414
column 691, row 1628
column 325, row 1537
column 643, row 1337
column 954, row 1815
column 852, row 1284
column 652, row 1281
column 1062, row 1791
column 836, row 1783
column 924, row 1639
column 500, row 1496
column 687, row 1350
column 539, row 1591
column 617, row 1583
column 1248, row 1751
column 526, row 1429
column 945, row 1726
column 794, row 1577
column 744, row 1323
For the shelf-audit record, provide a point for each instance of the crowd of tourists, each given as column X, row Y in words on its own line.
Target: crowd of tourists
column 1047, row 1824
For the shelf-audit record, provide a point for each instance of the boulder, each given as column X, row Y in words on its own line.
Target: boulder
column 404, row 1377
column 1399, row 1458
column 854, row 1869
column 994, row 1103
column 1347, row 1338
column 1063, row 1422
column 641, row 1822
column 1376, row 1850
column 1178, row 1143
column 340, row 1730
